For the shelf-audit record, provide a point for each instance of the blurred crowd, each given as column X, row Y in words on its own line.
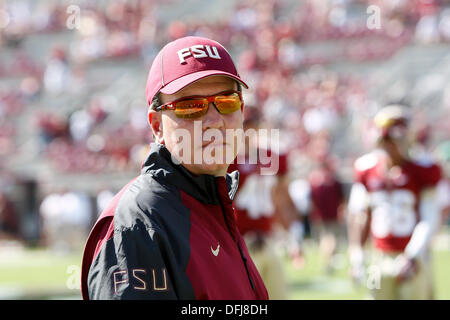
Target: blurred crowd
column 284, row 49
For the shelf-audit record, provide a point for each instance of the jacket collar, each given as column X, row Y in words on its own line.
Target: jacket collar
column 202, row 187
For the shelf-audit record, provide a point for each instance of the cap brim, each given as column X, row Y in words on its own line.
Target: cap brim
column 178, row 84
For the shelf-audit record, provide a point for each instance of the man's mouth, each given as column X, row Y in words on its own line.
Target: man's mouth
column 214, row 142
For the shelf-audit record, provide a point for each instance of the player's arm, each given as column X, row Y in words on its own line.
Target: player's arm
column 443, row 198
column 299, row 192
column 422, row 234
column 427, row 226
column 343, row 205
column 358, row 221
column 429, row 220
column 131, row 265
column 284, row 207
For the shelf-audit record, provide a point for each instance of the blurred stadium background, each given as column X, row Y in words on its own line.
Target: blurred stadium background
column 73, row 126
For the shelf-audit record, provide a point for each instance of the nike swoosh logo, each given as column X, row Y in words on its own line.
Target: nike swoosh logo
column 216, row 252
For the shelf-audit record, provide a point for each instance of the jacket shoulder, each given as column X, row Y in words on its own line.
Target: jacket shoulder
column 147, row 202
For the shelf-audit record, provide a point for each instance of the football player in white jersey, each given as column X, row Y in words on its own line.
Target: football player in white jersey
column 392, row 201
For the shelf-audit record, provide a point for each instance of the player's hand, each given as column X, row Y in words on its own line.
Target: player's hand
column 407, row 267
column 357, row 267
column 357, row 273
column 297, row 258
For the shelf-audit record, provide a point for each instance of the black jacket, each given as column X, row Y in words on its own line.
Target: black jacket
column 170, row 235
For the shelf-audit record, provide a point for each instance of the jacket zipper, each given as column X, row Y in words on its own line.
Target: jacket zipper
column 246, row 267
column 243, row 257
column 236, row 240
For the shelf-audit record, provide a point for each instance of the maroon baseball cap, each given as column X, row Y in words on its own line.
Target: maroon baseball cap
column 186, row 60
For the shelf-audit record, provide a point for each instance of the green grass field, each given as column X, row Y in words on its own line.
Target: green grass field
column 311, row 282
column 39, row 274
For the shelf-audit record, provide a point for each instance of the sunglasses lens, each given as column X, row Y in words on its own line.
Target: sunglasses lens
column 228, row 104
column 193, row 108
column 197, row 107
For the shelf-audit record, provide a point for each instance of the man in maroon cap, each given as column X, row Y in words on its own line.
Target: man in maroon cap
column 171, row 232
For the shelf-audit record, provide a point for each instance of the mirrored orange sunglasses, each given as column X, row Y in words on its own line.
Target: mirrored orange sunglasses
column 194, row 107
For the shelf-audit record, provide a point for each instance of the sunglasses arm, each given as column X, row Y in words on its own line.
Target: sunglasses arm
column 168, row 106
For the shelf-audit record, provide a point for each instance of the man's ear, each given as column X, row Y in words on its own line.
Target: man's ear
column 154, row 119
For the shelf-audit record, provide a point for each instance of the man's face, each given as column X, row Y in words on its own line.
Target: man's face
column 199, row 136
column 396, row 142
column 395, row 148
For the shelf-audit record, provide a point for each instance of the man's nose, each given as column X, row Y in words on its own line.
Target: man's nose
column 213, row 119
